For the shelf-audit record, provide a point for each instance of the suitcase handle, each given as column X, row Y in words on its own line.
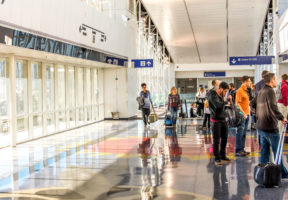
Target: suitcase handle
column 279, row 153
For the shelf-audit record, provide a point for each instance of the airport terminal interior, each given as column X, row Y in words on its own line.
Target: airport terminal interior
column 130, row 99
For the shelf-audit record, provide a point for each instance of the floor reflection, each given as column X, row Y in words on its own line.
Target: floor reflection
column 122, row 160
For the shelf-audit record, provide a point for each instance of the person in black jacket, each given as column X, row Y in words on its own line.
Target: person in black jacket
column 219, row 124
column 267, row 114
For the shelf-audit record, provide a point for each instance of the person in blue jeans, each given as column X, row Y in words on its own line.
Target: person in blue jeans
column 268, row 115
column 174, row 104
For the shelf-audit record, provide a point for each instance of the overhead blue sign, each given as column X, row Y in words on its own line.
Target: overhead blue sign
column 116, row 61
column 252, row 60
column 214, row 74
column 143, row 63
column 283, row 57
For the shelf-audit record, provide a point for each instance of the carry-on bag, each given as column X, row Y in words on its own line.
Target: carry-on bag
column 234, row 115
column 168, row 120
column 152, row 117
column 269, row 174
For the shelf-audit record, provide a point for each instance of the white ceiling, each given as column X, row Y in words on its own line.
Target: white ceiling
column 206, row 38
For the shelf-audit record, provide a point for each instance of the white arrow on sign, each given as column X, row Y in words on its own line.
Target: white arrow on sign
column 149, row 63
column 234, row 61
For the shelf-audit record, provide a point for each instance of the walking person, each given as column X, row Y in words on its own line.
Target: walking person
column 283, row 99
column 217, row 102
column 261, row 83
column 242, row 101
column 147, row 103
column 200, row 97
column 206, row 115
column 268, row 115
column 174, row 104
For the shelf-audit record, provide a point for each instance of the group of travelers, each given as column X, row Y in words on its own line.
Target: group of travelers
column 268, row 110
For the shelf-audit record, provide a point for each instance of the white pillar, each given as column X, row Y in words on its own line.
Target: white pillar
column 12, row 107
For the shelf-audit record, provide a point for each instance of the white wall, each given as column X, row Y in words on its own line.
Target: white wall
column 116, row 92
column 61, row 20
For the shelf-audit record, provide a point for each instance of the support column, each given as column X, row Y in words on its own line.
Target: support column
column 12, row 106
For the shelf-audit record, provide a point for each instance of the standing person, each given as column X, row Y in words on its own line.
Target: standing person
column 283, row 101
column 268, row 114
column 219, row 124
column 232, row 91
column 201, row 96
column 147, row 103
column 206, row 115
column 174, row 104
column 215, row 85
column 261, row 83
column 253, row 117
column 242, row 101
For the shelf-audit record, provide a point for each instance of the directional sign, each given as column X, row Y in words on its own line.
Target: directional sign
column 116, row 61
column 214, row 74
column 252, row 60
column 143, row 63
column 283, row 57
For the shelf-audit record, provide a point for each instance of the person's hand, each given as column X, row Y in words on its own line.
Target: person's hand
column 179, row 108
column 245, row 116
column 284, row 121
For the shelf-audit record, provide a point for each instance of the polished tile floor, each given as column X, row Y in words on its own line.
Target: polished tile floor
column 122, row 161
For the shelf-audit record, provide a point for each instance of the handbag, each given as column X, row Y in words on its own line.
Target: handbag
column 152, row 117
column 269, row 174
column 234, row 115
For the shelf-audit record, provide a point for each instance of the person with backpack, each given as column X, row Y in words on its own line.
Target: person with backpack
column 217, row 103
column 242, row 101
column 282, row 98
column 146, row 95
column 174, row 104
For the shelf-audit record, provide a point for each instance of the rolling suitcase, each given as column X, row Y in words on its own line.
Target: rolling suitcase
column 168, row 120
column 269, row 174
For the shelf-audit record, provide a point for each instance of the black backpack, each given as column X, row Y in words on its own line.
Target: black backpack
column 234, row 116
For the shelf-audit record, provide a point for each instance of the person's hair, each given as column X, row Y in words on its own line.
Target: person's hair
column 173, row 89
column 269, row 77
column 232, row 85
column 285, row 77
column 202, row 89
column 224, row 86
column 264, row 73
column 143, row 84
column 214, row 82
column 252, row 86
column 245, row 78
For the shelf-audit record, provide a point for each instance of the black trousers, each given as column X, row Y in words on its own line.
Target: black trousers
column 145, row 114
column 206, row 118
column 220, row 136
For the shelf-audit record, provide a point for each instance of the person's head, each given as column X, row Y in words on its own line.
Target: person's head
column 193, row 105
column 215, row 83
column 223, row 89
column 270, row 79
column 246, row 81
column 202, row 89
column 284, row 77
column 143, row 86
column 264, row 73
column 173, row 90
column 231, row 86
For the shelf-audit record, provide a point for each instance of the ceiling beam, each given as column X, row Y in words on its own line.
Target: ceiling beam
column 191, row 26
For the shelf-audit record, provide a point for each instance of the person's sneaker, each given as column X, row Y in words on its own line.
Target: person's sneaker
column 218, row 162
column 226, row 160
column 204, row 128
column 241, row 154
column 247, row 153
